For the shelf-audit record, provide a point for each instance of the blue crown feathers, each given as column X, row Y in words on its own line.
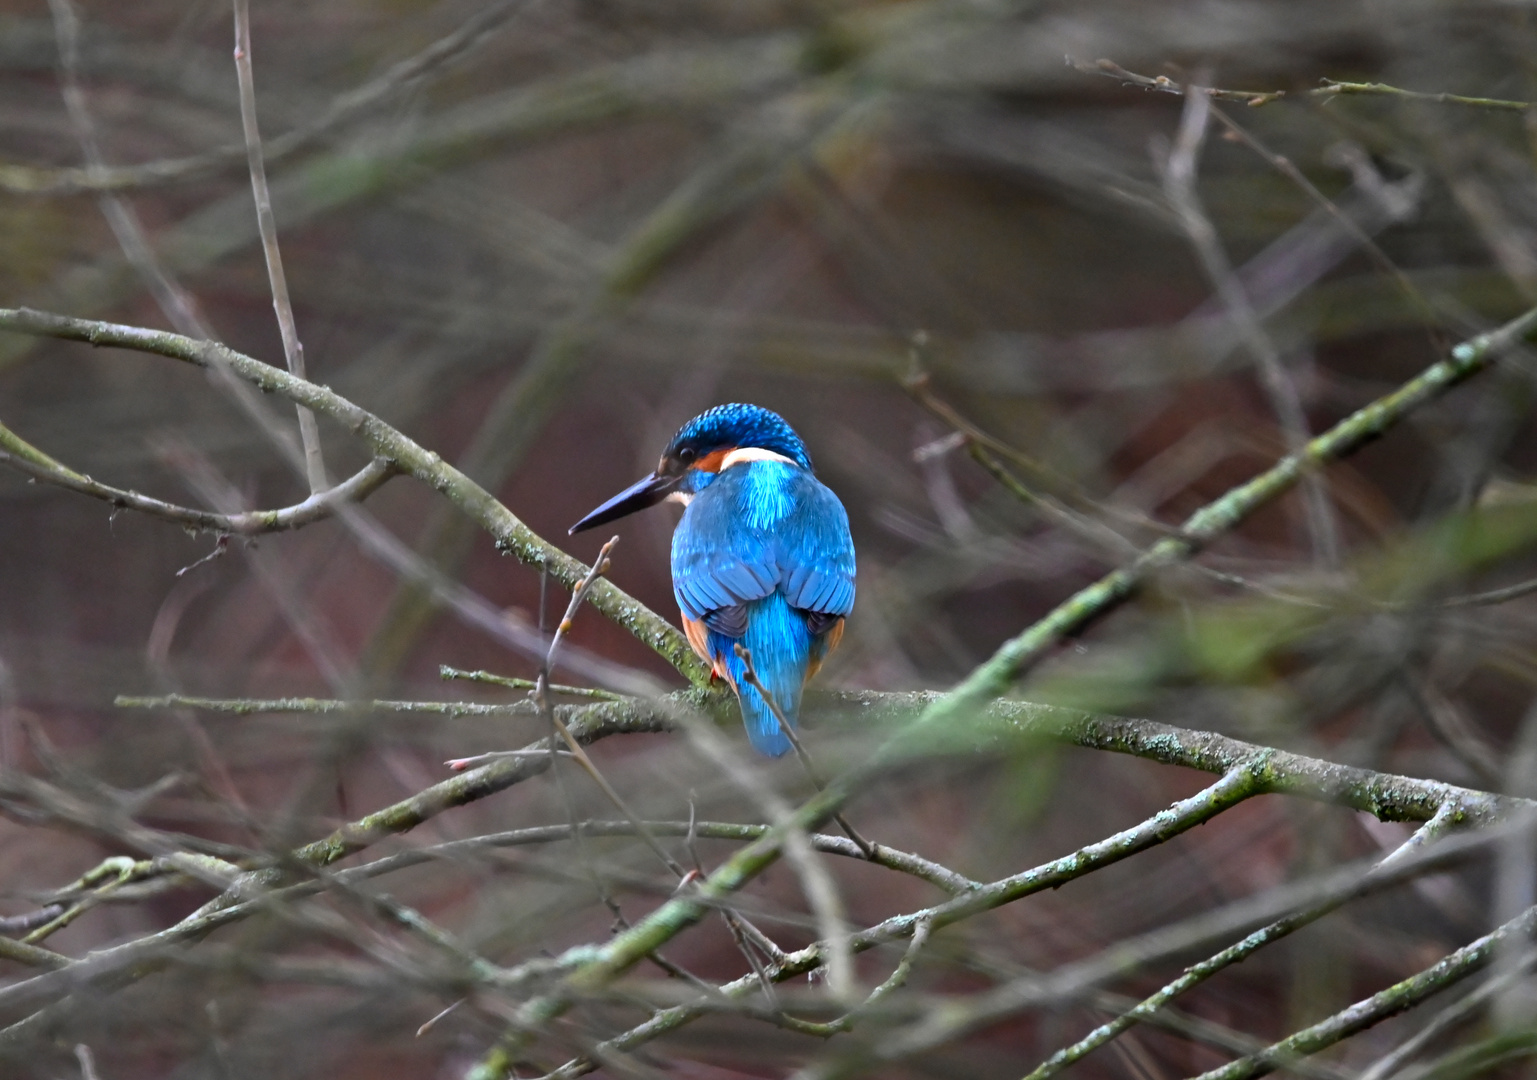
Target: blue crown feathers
column 740, row 425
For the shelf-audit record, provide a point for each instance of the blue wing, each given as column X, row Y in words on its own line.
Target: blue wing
column 763, row 558
column 759, row 528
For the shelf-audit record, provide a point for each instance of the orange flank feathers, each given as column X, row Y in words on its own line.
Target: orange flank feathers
column 698, row 638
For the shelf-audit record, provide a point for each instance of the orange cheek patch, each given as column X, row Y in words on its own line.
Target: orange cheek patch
column 711, row 462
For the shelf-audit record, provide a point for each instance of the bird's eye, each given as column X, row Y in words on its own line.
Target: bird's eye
column 686, row 455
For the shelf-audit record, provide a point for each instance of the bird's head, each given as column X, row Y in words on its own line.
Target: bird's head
column 711, row 442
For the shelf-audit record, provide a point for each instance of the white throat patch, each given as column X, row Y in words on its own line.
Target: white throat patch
column 743, row 454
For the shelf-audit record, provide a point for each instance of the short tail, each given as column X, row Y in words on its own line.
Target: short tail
column 781, row 646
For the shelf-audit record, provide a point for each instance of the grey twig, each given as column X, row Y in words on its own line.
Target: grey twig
column 510, row 534
column 1180, row 188
column 25, row 458
column 322, row 706
column 600, row 566
column 791, row 835
column 1327, row 89
column 177, row 304
column 447, row 673
column 1446, row 972
column 439, row 56
column 751, row 675
column 87, row 1062
column 293, row 349
column 737, row 925
column 1238, row 952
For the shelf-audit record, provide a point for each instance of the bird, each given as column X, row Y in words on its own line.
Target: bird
column 762, row 557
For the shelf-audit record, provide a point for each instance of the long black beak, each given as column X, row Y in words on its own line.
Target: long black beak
column 648, row 492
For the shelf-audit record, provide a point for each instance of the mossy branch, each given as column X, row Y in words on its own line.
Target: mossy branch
column 1017, row 655
column 511, row 535
column 999, row 727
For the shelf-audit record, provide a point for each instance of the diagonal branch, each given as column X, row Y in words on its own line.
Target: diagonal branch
column 1238, row 952
column 1180, row 189
column 1017, row 655
column 512, row 536
column 1400, row 997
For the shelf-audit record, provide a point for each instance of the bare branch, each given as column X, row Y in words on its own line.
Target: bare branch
column 510, row 534
column 1447, row 972
column 436, row 58
column 317, row 507
column 1017, row 655
column 1327, row 89
column 1180, row 188
column 1238, row 952
column 293, row 350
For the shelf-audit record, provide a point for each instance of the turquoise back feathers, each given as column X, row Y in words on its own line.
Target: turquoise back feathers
column 762, row 558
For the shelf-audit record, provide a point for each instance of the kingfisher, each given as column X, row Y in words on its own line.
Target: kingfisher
column 762, row 556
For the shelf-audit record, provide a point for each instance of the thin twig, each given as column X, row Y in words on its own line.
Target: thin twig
column 734, row 923
column 322, row 706
column 177, row 304
column 432, row 1023
column 293, row 349
column 87, row 1062
column 751, row 675
column 1238, row 952
column 600, row 566
column 1448, row 971
column 435, row 58
column 448, row 673
column 1180, row 188
column 1327, row 89
column 1493, row 596
column 317, row 507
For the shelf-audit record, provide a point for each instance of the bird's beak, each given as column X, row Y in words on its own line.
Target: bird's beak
column 648, row 492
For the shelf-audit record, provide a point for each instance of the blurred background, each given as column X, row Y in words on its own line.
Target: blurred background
column 537, row 237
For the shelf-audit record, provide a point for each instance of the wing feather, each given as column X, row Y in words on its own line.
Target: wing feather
column 757, row 528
